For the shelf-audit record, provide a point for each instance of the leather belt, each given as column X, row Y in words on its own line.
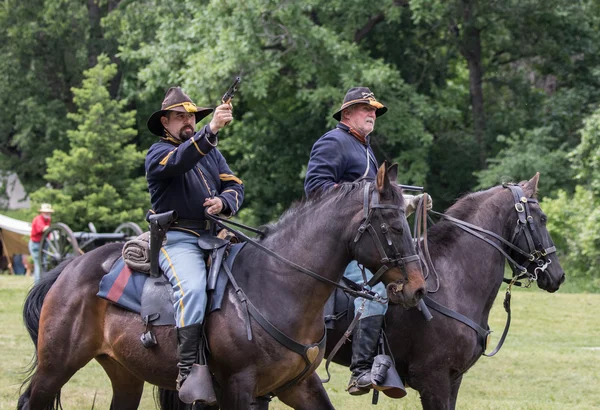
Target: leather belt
column 194, row 224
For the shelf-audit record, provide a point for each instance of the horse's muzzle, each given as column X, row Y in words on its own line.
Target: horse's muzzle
column 404, row 294
column 550, row 282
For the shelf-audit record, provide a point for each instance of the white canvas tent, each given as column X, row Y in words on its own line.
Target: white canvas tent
column 14, row 235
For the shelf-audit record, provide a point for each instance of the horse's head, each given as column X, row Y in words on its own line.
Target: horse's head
column 384, row 244
column 539, row 258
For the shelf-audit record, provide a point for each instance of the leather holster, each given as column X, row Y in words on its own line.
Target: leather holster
column 217, row 247
column 159, row 225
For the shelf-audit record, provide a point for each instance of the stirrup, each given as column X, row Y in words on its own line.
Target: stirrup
column 198, row 387
column 385, row 377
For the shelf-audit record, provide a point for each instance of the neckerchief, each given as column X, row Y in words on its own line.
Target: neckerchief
column 361, row 138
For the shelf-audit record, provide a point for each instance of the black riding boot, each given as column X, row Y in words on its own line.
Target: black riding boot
column 364, row 349
column 188, row 341
column 194, row 382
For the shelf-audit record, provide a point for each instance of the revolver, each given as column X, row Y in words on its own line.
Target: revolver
column 228, row 96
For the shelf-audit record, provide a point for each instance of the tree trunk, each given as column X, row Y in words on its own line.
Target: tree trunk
column 98, row 44
column 96, row 36
column 471, row 50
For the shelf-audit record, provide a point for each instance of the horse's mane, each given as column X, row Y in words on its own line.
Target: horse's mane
column 465, row 207
column 341, row 191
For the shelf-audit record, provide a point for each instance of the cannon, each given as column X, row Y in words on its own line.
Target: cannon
column 59, row 242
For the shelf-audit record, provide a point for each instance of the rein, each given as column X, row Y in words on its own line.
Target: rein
column 310, row 352
column 353, row 288
column 537, row 253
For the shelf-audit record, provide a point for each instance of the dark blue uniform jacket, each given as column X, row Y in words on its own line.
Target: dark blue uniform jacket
column 182, row 175
column 338, row 157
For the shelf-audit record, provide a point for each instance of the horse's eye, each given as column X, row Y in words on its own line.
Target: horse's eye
column 544, row 219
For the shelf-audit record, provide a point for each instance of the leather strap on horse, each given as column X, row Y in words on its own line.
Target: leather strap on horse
column 367, row 294
column 536, row 252
column 420, row 231
column 303, row 350
column 484, row 333
column 341, row 342
column 363, row 293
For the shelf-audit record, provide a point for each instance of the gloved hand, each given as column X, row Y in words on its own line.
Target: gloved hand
column 412, row 201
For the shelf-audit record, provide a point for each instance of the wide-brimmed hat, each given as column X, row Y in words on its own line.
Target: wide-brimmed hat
column 46, row 208
column 360, row 95
column 175, row 100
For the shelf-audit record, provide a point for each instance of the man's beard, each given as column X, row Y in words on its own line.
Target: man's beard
column 186, row 133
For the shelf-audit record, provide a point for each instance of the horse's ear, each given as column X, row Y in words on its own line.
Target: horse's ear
column 531, row 186
column 383, row 182
column 392, row 172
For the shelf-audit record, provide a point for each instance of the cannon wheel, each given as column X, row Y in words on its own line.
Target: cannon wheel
column 57, row 244
column 131, row 229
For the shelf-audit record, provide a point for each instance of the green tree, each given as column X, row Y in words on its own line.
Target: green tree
column 95, row 180
column 573, row 224
column 575, row 217
column 45, row 46
column 296, row 68
column 529, row 69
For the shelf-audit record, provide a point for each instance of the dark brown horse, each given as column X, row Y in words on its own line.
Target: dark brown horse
column 433, row 356
column 70, row 325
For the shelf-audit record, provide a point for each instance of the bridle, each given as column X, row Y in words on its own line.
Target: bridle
column 535, row 253
column 526, row 226
column 373, row 209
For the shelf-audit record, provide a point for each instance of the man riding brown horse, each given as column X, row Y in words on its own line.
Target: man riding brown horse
column 186, row 173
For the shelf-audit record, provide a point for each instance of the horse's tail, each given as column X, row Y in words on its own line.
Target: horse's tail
column 31, row 318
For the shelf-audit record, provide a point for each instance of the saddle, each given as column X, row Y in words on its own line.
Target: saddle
column 152, row 297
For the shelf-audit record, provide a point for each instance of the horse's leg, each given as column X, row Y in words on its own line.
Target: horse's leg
column 308, row 394
column 55, row 368
column 237, row 392
column 127, row 388
column 70, row 334
column 454, row 393
column 260, row 403
column 435, row 389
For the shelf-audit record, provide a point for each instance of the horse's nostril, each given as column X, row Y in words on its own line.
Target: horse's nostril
column 562, row 278
column 420, row 293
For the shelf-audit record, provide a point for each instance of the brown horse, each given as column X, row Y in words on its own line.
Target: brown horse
column 70, row 325
column 433, row 356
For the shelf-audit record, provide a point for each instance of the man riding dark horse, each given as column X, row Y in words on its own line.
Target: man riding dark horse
column 187, row 174
column 344, row 154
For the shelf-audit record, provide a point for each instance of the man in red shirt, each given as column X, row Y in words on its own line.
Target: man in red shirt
column 39, row 224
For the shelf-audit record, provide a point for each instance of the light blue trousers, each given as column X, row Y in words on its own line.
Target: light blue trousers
column 371, row 308
column 34, row 251
column 182, row 261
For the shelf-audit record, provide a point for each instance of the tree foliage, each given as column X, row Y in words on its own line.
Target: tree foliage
column 45, row 47
column 576, row 235
column 91, row 182
column 478, row 91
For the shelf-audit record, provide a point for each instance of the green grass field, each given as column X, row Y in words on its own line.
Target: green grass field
column 551, row 359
